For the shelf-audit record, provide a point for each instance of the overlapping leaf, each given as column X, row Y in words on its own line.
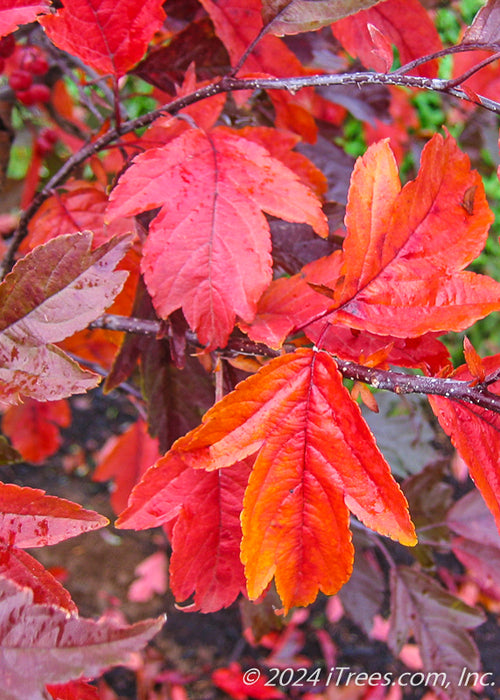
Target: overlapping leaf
column 208, row 250
column 125, row 458
column 44, row 644
column 33, row 427
column 315, row 455
column 439, row 622
column 404, row 23
column 486, row 25
column 405, row 250
column 294, row 16
column 206, row 534
column 50, row 294
column 30, row 518
column 13, row 13
column 475, row 432
column 108, row 35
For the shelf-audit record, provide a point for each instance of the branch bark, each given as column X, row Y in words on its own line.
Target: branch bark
column 388, row 380
column 231, row 84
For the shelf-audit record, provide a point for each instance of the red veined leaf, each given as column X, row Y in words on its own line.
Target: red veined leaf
column 125, row 458
column 206, row 535
column 80, row 207
column 33, row 427
column 237, row 25
column 21, row 568
column 438, row 620
column 109, row 36
column 289, row 303
column 30, row 518
column 52, row 292
column 13, row 13
column 405, row 251
column 74, row 690
column 295, row 16
column 483, row 82
column 475, row 433
column 316, row 454
column 43, row 644
column 210, row 253
column 405, row 23
column 281, row 148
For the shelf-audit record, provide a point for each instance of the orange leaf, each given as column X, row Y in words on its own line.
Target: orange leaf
column 316, row 457
column 473, row 361
column 33, row 427
column 405, row 251
column 208, row 250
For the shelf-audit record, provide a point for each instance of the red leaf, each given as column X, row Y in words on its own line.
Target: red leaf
column 42, row 644
column 233, row 682
column 210, row 253
column 21, row 568
column 30, row 518
column 404, row 251
column 474, row 431
column 237, row 25
column 33, row 427
column 108, row 35
column 13, row 13
column 80, row 207
column 206, row 535
column 405, row 23
column 316, row 454
column 125, row 458
column 74, row 690
column 52, row 292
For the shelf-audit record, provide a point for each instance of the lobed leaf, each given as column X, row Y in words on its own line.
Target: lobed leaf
column 44, row 644
column 404, row 23
column 33, row 427
column 295, row 16
column 208, row 250
column 14, row 13
column 316, row 456
column 108, row 35
column 30, row 518
column 51, row 293
column 439, row 621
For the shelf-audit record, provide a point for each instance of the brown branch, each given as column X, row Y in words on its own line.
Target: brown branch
column 225, row 84
column 388, row 380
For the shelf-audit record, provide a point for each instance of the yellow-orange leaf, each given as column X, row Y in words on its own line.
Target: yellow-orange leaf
column 317, row 458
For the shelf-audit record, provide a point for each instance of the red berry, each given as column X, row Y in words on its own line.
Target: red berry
column 50, row 135
column 39, row 93
column 20, row 80
column 7, row 46
column 34, row 62
column 25, row 97
column 43, row 146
